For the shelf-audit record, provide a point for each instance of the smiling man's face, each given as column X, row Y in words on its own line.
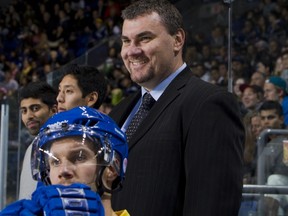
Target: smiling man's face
column 34, row 113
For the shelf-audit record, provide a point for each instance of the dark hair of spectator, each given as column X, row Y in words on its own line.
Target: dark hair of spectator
column 89, row 79
column 272, row 105
column 39, row 90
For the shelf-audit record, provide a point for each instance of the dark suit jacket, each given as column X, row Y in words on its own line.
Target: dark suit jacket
column 186, row 156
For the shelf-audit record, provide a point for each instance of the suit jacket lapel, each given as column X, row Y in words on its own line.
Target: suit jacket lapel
column 170, row 94
column 120, row 113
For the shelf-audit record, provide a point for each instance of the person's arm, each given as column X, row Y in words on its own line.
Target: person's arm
column 27, row 183
column 214, row 158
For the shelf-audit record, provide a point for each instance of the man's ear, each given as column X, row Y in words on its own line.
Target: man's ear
column 179, row 40
column 109, row 176
column 281, row 92
column 92, row 98
column 111, row 173
column 54, row 109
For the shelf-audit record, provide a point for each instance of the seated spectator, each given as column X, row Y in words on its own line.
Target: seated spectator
column 192, row 54
column 276, row 27
column 9, row 83
column 200, row 71
column 25, row 73
column 65, row 55
column 275, row 89
column 252, row 124
column 258, row 79
column 215, row 75
column 271, row 114
column 99, row 31
column 252, row 97
column 236, row 87
column 273, row 53
column 264, row 67
column 223, row 72
column 256, row 127
column 240, row 68
column 284, row 64
column 275, row 171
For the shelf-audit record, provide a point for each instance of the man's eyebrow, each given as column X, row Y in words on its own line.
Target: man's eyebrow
column 76, row 150
column 124, row 37
column 269, row 115
column 31, row 105
column 145, row 33
column 67, row 86
column 139, row 35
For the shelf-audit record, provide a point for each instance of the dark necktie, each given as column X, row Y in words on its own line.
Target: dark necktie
column 147, row 103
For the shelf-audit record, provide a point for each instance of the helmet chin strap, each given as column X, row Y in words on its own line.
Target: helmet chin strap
column 45, row 177
column 99, row 182
column 101, row 188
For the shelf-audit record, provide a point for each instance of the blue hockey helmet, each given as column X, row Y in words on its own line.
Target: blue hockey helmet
column 110, row 141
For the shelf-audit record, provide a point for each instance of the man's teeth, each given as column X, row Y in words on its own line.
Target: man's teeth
column 137, row 62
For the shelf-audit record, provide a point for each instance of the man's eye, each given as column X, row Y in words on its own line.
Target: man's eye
column 81, row 158
column 23, row 111
column 35, row 108
column 270, row 117
column 146, row 38
column 54, row 162
column 125, row 41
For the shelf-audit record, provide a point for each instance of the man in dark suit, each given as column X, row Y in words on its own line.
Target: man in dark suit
column 185, row 158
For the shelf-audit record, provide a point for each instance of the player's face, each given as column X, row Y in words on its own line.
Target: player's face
column 72, row 162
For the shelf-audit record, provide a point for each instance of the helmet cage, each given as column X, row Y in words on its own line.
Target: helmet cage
column 42, row 143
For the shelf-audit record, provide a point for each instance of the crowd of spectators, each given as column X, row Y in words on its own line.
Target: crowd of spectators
column 39, row 37
column 36, row 40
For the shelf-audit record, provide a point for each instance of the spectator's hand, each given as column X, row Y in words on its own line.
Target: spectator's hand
column 66, row 200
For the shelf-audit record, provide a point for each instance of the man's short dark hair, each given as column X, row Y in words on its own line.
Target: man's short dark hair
column 89, row 79
column 272, row 105
column 170, row 16
column 39, row 90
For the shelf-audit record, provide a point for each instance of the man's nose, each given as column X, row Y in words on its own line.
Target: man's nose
column 29, row 114
column 133, row 49
column 60, row 97
column 66, row 170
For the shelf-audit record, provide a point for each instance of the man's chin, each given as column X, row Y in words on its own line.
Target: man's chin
column 33, row 132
